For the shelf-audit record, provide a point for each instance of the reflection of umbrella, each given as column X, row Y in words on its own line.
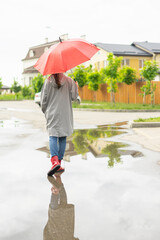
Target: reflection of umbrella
column 64, row 56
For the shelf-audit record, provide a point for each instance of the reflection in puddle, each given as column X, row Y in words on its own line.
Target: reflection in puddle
column 96, row 141
column 13, row 123
column 9, row 124
column 61, row 216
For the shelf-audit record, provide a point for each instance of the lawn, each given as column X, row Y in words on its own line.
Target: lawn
column 108, row 105
column 156, row 119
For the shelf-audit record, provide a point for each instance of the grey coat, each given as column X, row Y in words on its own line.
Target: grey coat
column 56, row 104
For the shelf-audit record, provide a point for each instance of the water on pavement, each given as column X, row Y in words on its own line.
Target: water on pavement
column 112, row 184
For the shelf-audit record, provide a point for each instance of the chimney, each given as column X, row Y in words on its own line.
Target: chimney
column 46, row 40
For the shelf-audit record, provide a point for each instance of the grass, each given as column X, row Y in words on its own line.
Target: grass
column 156, row 119
column 12, row 97
column 108, row 105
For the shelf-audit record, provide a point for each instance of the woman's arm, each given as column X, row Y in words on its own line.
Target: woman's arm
column 74, row 90
column 44, row 96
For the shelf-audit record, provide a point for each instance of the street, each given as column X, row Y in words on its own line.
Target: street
column 111, row 175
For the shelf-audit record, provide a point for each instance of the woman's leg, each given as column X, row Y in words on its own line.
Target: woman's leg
column 62, row 147
column 53, row 145
column 54, row 155
column 62, row 196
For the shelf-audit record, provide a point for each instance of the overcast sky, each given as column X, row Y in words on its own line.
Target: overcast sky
column 27, row 23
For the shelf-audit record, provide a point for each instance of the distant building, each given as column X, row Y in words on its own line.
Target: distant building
column 133, row 55
column 29, row 72
column 153, row 49
column 5, row 90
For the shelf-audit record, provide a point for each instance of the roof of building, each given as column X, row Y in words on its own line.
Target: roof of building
column 150, row 46
column 39, row 50
column 30, row 70
column 5, row 87
column 122, row 49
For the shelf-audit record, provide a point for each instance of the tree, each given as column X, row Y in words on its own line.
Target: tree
column 16, row 88
column 127, row 75
column 146, row 90
column 26, row 91
column 94, row 80
column 149, row 72
column 80, row 74
column 37, row 83
column 110, row 74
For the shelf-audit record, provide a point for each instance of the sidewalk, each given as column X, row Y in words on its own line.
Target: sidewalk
column 29, row 111
column 147, row 137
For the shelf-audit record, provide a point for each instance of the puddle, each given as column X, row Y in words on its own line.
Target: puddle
column 13, row 123
column 17, row 109
column 98, row 142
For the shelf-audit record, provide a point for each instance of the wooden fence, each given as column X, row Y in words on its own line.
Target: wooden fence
column 125, row 93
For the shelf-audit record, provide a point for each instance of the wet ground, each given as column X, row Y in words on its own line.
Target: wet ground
column 113, row 184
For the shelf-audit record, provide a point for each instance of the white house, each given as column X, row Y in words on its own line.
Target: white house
column 29, row 72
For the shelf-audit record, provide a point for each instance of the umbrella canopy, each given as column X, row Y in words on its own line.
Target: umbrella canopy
column 64, row 56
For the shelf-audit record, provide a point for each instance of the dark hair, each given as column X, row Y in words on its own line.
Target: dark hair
column 57, row 80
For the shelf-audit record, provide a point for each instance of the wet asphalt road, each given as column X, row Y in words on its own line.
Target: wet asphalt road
column 118, row 203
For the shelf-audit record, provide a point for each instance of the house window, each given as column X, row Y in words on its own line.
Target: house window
column 125, row 62
column 31, row 53
column 141, row 63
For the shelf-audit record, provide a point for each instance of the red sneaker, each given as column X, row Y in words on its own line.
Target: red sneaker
column 60, row 170
column 55, row 165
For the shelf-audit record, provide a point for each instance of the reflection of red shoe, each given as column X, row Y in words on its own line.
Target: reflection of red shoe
column 55, row 165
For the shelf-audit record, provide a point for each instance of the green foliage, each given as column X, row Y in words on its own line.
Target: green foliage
column 1, row 83
column 80, row 74
column 94, row 80
column 37, row 83
column 150, row 70
column 146, row 89
column 127, row 75
column 16, row 88
column 112, row 151
column 26, row 91
column 110, row 74
column 85, row 140
column 80, row 142
column 111, row 71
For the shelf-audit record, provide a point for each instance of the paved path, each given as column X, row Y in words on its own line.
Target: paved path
column 29, row 111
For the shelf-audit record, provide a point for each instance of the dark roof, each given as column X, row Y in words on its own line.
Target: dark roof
column 30, row 70
column 150, row 46
column 5, row 87
column 122, row 49
column 39, row 50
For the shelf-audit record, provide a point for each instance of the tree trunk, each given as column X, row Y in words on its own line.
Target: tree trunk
column 144, row 98
column 95, row 96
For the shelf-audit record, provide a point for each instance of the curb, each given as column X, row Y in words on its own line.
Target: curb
column 144, row 124
column 114, row 110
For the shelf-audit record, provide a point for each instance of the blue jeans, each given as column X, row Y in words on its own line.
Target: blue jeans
column 57, row 146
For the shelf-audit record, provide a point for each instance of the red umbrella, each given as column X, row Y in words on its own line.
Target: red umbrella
column 64, row 56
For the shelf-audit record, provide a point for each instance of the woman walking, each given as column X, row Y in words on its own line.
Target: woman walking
column 57, row 95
